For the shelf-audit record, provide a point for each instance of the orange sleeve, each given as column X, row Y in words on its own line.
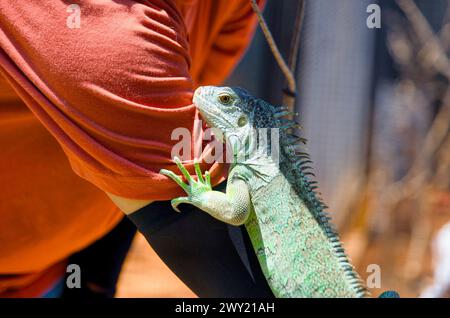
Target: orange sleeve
column 238, row 23
column 111, row 92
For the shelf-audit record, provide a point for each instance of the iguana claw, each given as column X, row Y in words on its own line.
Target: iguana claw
column 175, row 202
column 193, row 188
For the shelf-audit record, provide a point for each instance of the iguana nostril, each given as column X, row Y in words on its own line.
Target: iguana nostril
column 197, row 91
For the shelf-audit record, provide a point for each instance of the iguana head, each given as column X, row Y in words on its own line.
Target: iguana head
column 224, row 108
column 236, row 115
column 228, row 111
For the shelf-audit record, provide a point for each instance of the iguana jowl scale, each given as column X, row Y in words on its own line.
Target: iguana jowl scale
column 297, row 247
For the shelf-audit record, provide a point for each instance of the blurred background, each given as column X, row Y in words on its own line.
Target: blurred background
column 375, row 107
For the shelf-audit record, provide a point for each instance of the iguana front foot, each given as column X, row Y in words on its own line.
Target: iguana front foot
column 194, row 189
column 232, row 207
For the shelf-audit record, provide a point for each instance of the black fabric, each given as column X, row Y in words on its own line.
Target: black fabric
column 212, row 258
column 101, row 263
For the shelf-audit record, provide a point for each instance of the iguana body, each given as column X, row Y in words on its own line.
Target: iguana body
column 298, row 250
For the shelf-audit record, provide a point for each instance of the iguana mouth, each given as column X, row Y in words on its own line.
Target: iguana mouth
column 206, row 114
column 197, row 100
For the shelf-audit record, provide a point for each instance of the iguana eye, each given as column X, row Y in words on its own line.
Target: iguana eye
column 225, row 99
column 242, row 121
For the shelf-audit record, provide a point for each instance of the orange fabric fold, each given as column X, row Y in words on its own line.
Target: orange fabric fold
column 99, row 102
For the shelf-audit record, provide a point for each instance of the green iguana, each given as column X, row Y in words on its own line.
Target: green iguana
column 297, row 247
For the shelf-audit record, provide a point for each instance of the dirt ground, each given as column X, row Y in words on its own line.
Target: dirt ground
column 145, row 275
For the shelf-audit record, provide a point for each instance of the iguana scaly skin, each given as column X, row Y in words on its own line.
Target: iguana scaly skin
column 298, row 250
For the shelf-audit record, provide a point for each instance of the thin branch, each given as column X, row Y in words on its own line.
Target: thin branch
column 290, row 97
column 426, row 35
column 295, row 44
column 274, row 48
